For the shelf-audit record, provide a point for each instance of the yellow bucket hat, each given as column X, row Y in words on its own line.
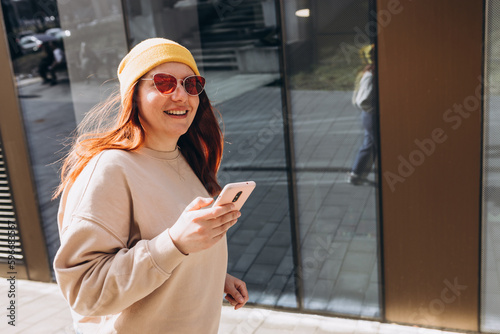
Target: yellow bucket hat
column 147, row 55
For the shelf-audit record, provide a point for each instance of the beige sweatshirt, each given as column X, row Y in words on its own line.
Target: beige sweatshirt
column 117, row 266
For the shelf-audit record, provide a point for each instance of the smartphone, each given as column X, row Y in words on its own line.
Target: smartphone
column 236, row 193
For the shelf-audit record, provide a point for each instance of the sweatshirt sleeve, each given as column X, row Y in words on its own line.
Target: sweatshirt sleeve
column 364, row 97
column 98, row 273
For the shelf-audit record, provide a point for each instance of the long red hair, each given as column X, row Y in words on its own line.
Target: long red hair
column 201, row 145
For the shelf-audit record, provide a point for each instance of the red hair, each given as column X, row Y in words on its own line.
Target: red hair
column 201, row 145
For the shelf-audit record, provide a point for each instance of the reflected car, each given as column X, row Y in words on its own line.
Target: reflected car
column 33, row 43
column 57, row 33
column 62, row 34
column 53, row 32
column 30, row 44
column 24, row 33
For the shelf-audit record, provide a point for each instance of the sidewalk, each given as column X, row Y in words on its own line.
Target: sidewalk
column 41, row 309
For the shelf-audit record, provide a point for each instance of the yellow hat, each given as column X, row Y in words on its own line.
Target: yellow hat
column 365, row 53
column 147, row 55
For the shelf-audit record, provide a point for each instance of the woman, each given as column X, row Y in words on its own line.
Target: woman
column 363, row 98
column 141, row 249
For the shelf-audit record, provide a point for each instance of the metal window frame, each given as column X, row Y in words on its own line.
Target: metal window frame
column 290, row 157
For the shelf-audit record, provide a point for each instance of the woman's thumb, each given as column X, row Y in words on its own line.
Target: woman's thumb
column 198, row 203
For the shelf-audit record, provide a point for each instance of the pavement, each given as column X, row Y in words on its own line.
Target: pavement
column 41, row 309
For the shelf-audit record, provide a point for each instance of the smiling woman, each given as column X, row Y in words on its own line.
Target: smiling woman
column 138, row 238
column 165, row 117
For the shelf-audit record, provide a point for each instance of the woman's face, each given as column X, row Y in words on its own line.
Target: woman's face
column 166, row 117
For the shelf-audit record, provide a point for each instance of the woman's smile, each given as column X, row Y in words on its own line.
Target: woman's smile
column 176, row 112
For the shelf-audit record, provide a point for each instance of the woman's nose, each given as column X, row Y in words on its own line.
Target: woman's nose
column 179, row 92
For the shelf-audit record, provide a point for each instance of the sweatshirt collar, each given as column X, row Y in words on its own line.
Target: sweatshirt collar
column 164, row 155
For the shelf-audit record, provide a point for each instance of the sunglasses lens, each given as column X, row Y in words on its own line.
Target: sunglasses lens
column 165, row 83
column 194, row 85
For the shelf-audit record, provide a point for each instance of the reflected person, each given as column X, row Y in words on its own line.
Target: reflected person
column 46, row 61
column 52, row 62
column 141, row 249
column 363, row 98
column 59, row 62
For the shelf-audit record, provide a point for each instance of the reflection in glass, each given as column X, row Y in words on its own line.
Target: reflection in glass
column 94, row 48
column 334, row 128
column 38, row 58
column 60, row 58
column 239, row 53
column 490, row 292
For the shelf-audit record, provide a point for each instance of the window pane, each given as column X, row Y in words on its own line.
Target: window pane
column 331, row 69
column 61, row 60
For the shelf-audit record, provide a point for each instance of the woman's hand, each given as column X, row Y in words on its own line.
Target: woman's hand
column 198, row 229
column 236, row 291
